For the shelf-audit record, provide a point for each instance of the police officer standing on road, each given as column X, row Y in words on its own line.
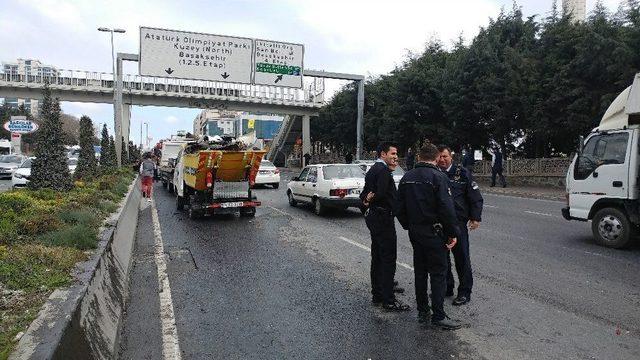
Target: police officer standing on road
column 379, row 195
column 425, row 208
column 468, row 204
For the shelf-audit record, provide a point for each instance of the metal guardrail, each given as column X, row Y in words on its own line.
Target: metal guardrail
column 101, row 82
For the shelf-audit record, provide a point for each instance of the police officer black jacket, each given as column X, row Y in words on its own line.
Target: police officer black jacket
column 466, row 194
column 424, row 198
column 380, row 182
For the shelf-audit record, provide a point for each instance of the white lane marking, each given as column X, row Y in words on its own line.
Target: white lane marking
column 590, row 253
column 280, row 211
column 170, row 345
column 490, row 206
column 364, row 247
column 539, row 213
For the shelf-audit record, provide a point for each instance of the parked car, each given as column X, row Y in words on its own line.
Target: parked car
column 398, row 173
column 268, row 174
column 21, row 175
column 8, row 164
column 327, row 186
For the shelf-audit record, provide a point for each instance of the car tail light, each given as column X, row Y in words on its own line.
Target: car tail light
column 209, row 179
column 276, row 171
column 338, row 192
column 566, row 195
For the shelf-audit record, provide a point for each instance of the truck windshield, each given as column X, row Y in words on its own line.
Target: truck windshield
column 331, row 172
column 604, row 149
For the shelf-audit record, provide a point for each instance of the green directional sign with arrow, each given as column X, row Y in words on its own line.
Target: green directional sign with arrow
column 278, row 69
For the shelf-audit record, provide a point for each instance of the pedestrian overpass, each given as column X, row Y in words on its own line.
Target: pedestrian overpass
column 127, row 90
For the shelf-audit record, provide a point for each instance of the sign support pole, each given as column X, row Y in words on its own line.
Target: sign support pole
column 122, row 128
column 359, row 119
column 117, row 108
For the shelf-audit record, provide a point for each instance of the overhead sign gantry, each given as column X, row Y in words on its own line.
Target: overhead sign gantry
column 209, row 57
column 227, row 59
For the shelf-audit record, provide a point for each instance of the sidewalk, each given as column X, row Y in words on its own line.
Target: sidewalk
column 535, row 192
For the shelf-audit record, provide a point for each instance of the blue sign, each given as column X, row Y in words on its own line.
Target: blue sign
column 20, row 125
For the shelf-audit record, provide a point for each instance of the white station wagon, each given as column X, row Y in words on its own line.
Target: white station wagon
column 327, row 186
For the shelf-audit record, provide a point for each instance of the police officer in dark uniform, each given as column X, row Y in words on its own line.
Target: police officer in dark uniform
column 379, row 195
column 425, row 208
column 468, row 203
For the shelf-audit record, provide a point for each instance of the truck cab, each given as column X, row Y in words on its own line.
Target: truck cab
column 602, row 181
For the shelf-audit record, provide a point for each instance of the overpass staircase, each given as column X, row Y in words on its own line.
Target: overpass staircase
column 284, row 142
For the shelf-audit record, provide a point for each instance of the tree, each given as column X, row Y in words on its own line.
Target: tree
column 87, row 165
column 113, row 162
column 106, row 157
column 49, row 169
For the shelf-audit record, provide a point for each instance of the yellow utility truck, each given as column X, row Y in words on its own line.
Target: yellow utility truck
column 216, row 180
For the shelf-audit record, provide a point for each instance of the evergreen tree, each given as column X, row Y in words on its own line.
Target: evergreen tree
column 105, row 157
column 535, row 83
column 113, row 163
column 87, row 165
column 50, row 169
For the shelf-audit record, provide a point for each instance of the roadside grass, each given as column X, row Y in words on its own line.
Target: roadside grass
column 43, row 235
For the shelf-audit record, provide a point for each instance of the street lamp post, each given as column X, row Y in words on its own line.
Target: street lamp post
column 116, row 126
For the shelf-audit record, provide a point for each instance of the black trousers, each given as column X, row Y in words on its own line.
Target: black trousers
column 383, row 254
column 498, row 172
column 429, row 261
column 463, row 263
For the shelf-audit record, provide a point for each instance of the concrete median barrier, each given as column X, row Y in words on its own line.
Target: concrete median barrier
column 83, row 320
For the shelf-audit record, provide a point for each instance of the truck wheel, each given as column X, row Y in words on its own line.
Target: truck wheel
column 318, row 208
column 251, row 212
column 179, row 202
column 611, row 228
column 193, row 213
column 292, row 201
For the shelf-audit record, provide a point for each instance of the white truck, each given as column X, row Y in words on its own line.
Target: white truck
column 167, row 164
column 603, row 183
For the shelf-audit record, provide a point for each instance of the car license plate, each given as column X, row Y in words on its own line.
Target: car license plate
column 355, row 191
column 232, row 204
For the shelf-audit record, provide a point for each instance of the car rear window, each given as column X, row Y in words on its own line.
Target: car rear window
column 266, row 164
column 331, row 172
column 11, row 159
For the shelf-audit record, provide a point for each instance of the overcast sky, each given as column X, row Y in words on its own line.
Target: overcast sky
column 353, row 36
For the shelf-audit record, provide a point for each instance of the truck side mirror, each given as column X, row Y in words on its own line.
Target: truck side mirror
column 580, row 144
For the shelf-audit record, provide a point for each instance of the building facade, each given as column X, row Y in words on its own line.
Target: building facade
column 576, row 8
column 214, row 122
column 27, row 68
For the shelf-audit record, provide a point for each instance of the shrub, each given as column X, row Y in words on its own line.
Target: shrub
column 18, row 201
column 80, row 236
column 34, row 267
column 79, row 217
column 38, row 224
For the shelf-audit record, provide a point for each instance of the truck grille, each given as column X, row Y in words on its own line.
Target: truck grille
column 230, row 190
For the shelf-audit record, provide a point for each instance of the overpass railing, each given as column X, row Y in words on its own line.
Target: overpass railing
column 98, row 81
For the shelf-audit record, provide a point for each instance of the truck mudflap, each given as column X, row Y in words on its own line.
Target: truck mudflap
column 566, row 214
column 235, row 204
